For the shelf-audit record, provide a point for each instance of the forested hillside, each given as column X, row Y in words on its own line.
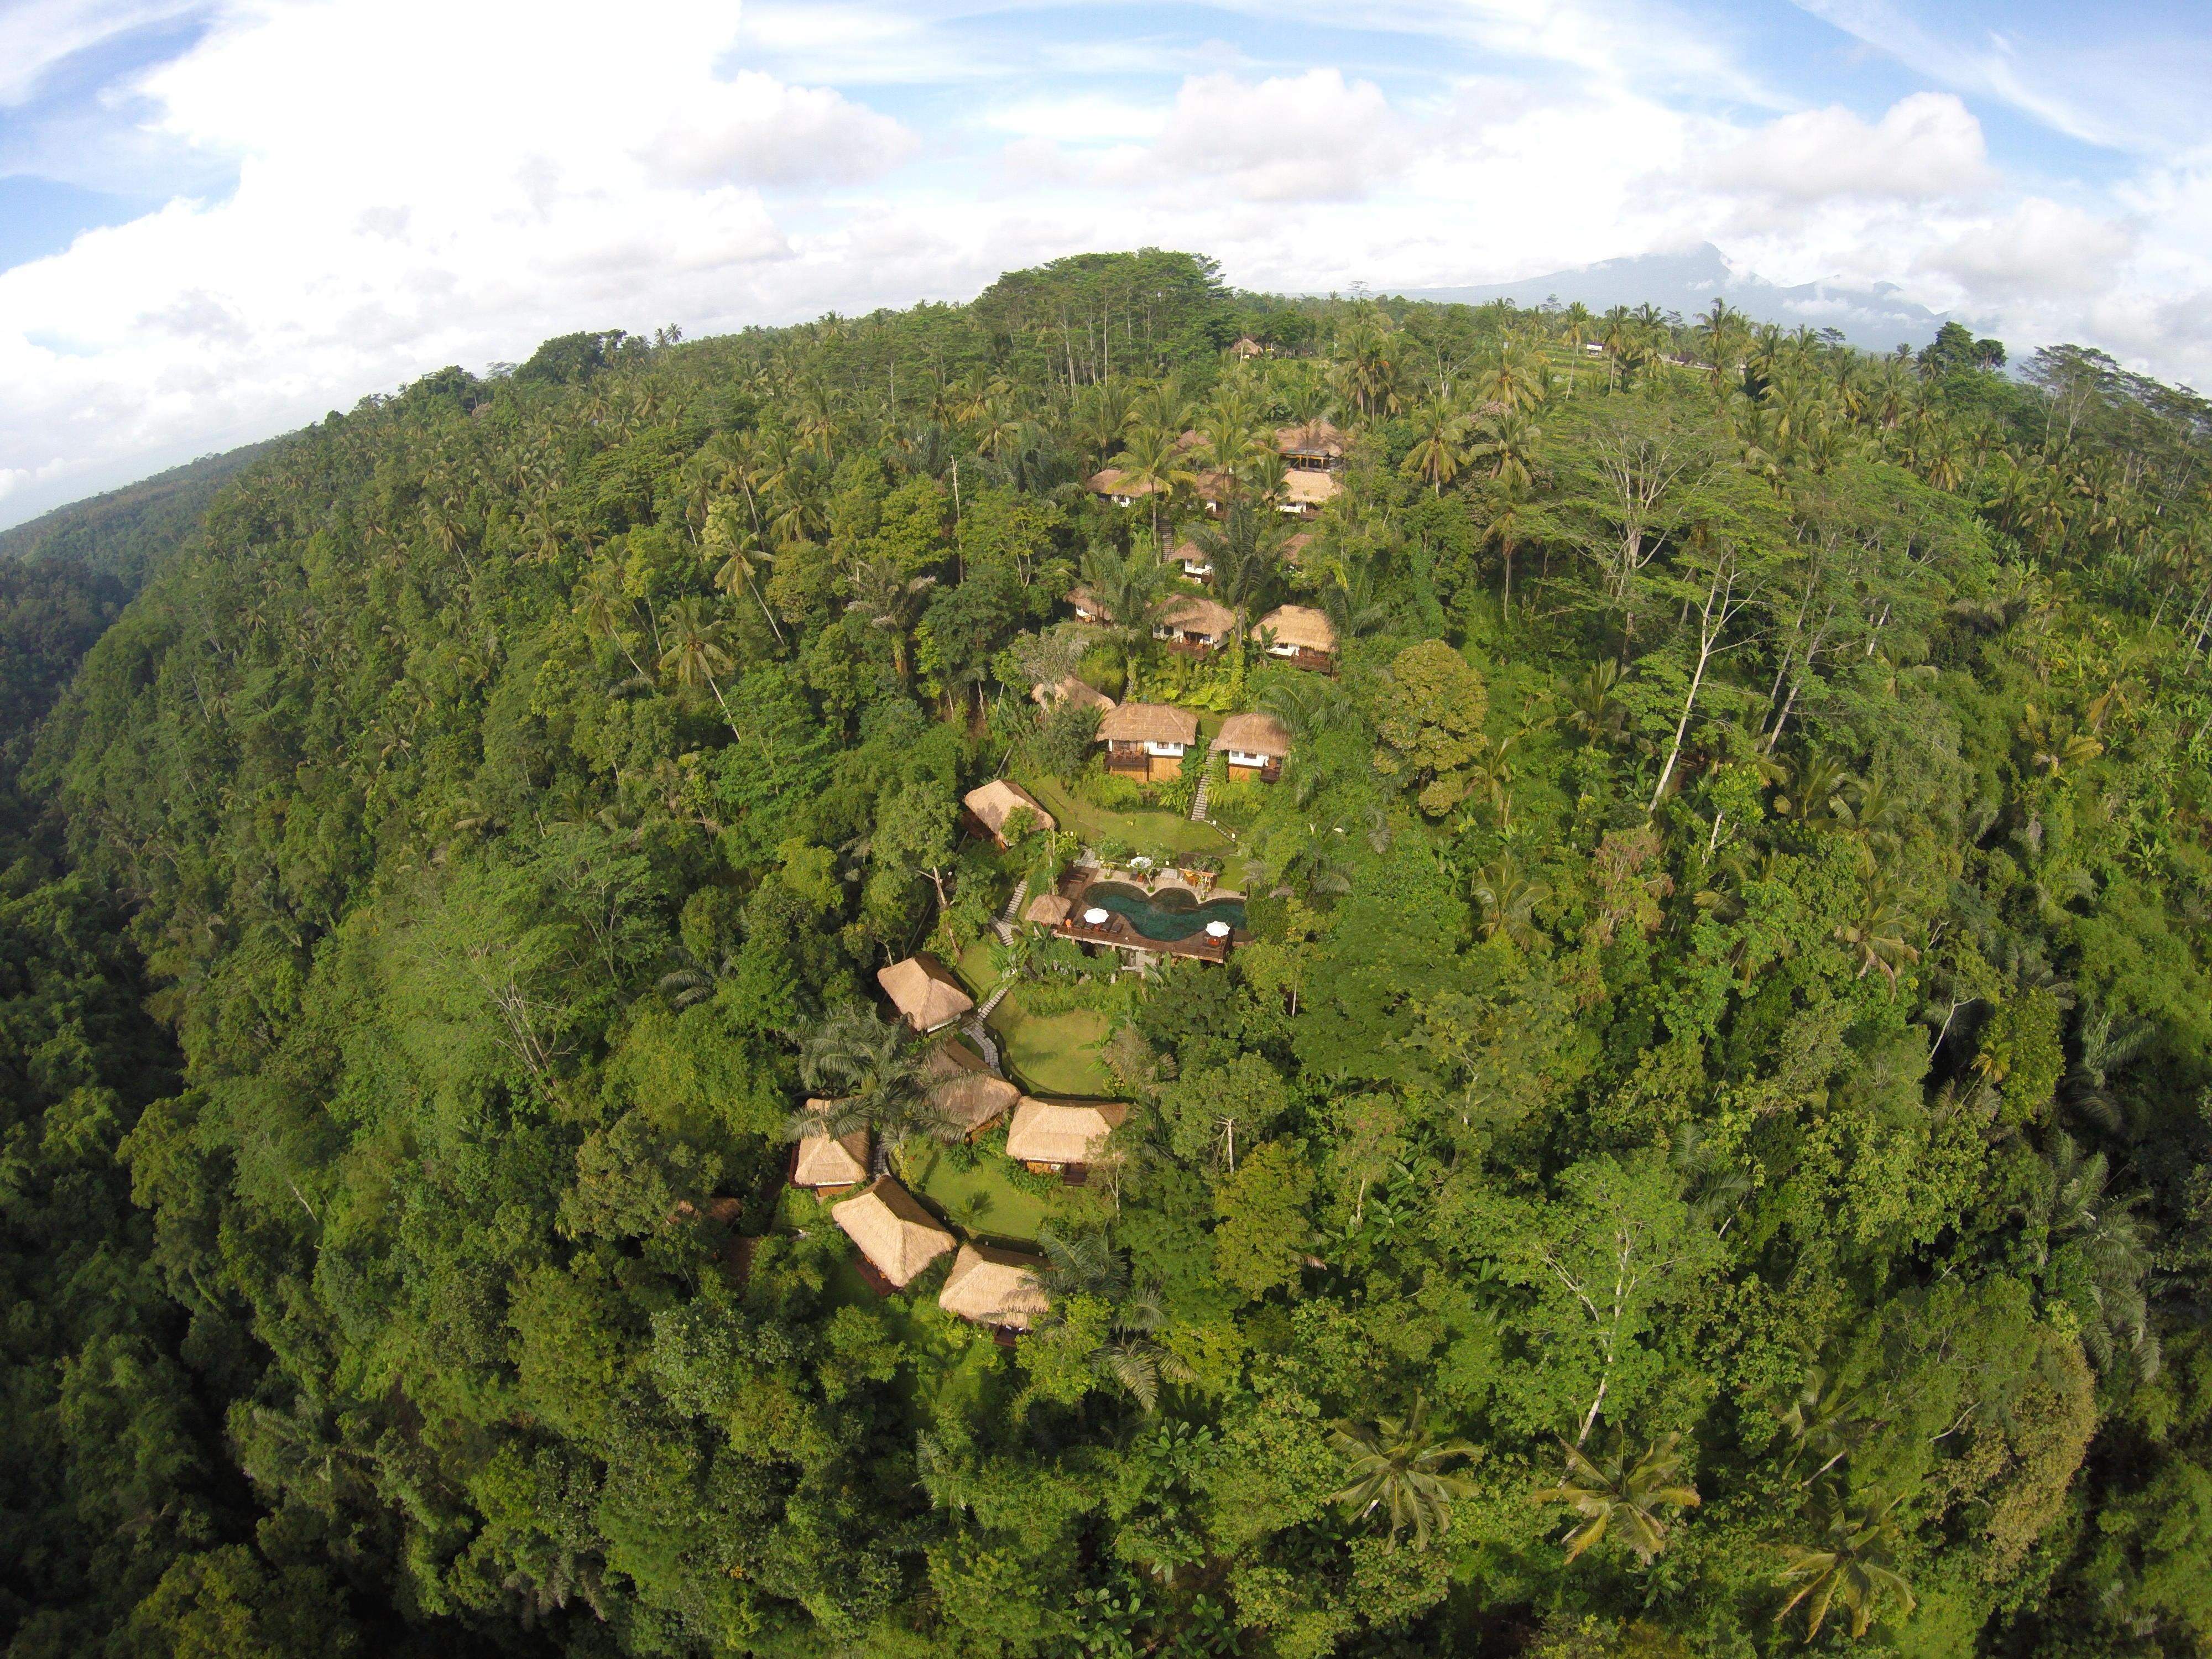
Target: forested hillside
column 1693, row 1138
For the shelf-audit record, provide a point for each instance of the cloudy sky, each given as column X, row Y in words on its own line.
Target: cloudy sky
column 219, row 218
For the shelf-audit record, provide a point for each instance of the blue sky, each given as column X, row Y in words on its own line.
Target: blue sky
column 220, row 217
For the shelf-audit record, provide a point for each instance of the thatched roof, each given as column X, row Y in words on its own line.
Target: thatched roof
column 1186, row 551
column 1111, row 481
column 1302, row 486
column 1048, row 910
column 967, row 1092
column 897, row 1235
column 993, row 803
column 1315, row 438
column 1149, row 722
column 994, row 1287
column 1086, row 604
column 1194, row 613
column 1072, row 689
column 924, row 990
column 1061, row 1131
column 1300, row 625
column 1294, row 549
column 1253, row 734
column 823, row 1161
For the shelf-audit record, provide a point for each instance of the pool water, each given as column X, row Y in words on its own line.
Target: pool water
column 1170, row 914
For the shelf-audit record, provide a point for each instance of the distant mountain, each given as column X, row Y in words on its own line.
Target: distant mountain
column 125, row 532
column 1875, row 318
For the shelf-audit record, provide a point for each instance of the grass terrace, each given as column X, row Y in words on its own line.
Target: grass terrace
column 1147, row 826
column 982, row 1202
column 1053, row 1053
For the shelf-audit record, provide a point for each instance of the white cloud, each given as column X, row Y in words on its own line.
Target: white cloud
column 1312, row 137
column 2041, row 251
column 1925, row 145
column 418, row 183
column 760, row 131
column 36, row 35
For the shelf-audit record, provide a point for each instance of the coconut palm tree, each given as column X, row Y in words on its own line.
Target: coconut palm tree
column 890, row 600
column 1134, row 593
column 1850, row 1562
column 1151, row 464
column 869, row 1074
column 1875, row 930
column 1591, row 709
column 1507, row 897
column 1440, row 447
column 694, row 655
column 1616, row 1495
column 733, row 547
column 1132, row 1360
column 1396, row 1464
column 2095, row 1252
column 1246, row 552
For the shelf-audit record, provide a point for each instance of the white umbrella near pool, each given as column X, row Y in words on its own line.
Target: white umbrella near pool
column 1095, row 916
column 1216, row 930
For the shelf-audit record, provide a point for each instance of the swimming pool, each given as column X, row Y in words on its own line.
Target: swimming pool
column 1171, row 914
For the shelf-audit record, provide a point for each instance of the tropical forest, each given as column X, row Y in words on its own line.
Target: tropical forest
column 1130, row 969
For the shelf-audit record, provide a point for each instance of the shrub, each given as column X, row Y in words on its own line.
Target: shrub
column 1115, row 794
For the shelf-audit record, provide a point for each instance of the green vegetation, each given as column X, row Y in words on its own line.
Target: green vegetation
column 1705, row 1151
column 982, row 1200
column 1145, row 827
column 1053, row 1053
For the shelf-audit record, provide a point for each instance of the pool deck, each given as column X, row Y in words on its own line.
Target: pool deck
column 1119, row 932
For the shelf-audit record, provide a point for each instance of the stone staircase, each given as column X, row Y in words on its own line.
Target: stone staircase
column 976, row 1032
column 1004, row 926
column 998, row 995
column 1198, row 801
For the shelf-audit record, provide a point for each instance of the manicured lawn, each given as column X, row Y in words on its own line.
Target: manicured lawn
column 1148, row 826
column 1053, row 1055
column 974, row 966
column 981, row 1202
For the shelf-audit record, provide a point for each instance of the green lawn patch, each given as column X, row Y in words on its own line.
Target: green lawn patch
column 1055, row 1054
column 1147, row 826
column 980, row 1202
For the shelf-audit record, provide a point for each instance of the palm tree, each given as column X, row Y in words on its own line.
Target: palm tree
column 733, row 546
column 1132, row 1359
column 891, row 601
column 1135, row 594
column 1151, row 459
column 1351, row 602
column 1246, row 552
column 1396, row 1464
column 1824, row 1422
column 1439, row 448
column 694, row 652
column 1875, row 931
column 1508, row 898
column 1851, row 1564
column 1083, row 1264
column 870, row 1077
column 598, row 609
column 2095, row 1251
column 1513, row 444
column 1591, row 709
column 2056, row 744
column 1622, row 1497
column 1087, row 1265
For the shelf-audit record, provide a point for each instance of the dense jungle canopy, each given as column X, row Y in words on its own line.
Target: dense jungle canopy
column 1704, row 1150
